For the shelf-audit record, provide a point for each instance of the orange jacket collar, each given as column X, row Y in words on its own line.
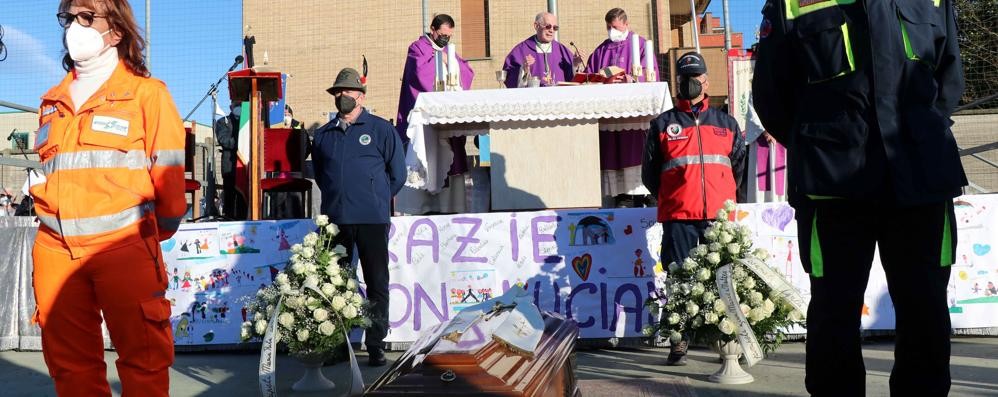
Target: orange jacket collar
column 120, row 86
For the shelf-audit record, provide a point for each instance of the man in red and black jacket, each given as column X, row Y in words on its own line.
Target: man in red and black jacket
column 692, row 162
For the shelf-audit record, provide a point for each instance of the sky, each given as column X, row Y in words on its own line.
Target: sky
column 193, row 43
column 746, row 15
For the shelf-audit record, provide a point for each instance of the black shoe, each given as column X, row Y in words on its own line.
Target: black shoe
column 677, row 354
column 376, row 357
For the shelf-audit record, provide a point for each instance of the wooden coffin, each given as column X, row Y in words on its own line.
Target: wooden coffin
column 478, row 365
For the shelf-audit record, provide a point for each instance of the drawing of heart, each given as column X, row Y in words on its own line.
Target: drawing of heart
column 742, row 215
column 628, row 230
column 582, row 265
column 982, row 249
column 778, row 217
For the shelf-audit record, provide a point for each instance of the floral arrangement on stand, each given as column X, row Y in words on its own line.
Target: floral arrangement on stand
column 319, row 299
column 689, row 301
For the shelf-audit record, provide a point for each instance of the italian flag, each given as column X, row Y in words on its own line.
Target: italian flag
column 243, row 152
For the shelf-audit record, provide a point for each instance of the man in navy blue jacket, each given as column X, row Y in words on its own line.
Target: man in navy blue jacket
column 359, row 166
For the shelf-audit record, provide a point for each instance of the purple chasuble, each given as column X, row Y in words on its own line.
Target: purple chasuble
column 559, row 63
column 617, row 54
column 418, row 77
column 621, row 149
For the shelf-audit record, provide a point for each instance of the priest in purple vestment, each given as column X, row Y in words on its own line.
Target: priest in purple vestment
column 616, row 49
column 418, row 76
column 540, row 56
column 621, row 150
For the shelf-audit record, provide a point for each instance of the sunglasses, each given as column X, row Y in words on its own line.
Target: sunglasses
column 84, row 18
column 549, row 27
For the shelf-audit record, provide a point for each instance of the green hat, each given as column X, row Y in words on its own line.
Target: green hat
column 348, row 78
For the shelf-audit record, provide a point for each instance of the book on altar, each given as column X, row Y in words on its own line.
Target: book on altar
column 607, row 75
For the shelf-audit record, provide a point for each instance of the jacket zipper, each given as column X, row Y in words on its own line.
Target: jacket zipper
column 703, row 169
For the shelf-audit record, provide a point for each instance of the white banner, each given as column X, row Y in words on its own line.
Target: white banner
column 593, row 266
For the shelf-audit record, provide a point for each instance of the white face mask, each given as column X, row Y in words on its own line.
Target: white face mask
column 287, row 121
column 616, row 36
column 84, row 43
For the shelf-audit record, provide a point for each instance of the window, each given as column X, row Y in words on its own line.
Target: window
column 475, row 29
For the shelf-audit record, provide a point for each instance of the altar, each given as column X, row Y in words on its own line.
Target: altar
column 545, row 142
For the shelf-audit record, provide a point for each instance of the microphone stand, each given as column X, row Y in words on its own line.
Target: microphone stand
column 211, row 210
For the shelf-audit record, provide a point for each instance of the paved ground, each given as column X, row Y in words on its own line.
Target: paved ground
column 974, row 371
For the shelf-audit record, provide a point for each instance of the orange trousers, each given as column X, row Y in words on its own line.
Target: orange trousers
column 127, row 285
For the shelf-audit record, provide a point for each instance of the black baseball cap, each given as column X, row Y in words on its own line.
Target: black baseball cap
column 691, row 64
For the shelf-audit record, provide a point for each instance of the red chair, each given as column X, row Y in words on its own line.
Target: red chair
column 191, row 185
column 283, row 163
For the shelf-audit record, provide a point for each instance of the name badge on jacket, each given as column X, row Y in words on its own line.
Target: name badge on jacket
column 110, row 125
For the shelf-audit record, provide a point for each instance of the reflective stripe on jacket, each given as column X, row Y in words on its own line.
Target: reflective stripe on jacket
column 693, row 161
column 114, row 169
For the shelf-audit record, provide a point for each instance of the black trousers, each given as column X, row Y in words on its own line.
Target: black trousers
column 679, row 237
column 233, row 204
column 917, row 244
column 369, row 243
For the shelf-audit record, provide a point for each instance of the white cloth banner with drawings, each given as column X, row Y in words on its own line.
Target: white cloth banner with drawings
column 596, row 267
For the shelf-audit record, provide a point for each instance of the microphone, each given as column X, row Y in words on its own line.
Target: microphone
column 239, row 59
column 579, row 53
column 11, row 135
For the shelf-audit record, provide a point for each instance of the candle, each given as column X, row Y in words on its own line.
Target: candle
column 438, row 57
column 453, row 69
column 635, row 54
column 650, row 62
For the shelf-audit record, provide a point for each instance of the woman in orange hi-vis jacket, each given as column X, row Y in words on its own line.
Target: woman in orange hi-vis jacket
column 112, row 148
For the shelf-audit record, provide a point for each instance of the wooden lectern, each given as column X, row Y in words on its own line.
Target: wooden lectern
column 255, row 86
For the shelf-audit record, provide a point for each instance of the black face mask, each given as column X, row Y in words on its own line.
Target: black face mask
column 689, row 88
column 345, row 104
column 441, row 41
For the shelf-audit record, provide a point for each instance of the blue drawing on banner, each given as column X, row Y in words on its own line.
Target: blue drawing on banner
column 468, row 287
column 168, row 245
column 592, row 230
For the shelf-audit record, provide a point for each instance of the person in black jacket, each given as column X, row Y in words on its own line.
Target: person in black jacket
column 227, row 133
column 861, row 92
column 359, row 166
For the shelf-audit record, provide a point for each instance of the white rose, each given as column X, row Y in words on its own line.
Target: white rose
column 710, row 318
column 244, row 332
column 729, row 205
column 761, row 254
column 297, row 268
column 769, row 306
column 351, row 284
column 703, row 274
column 714, row 258
column 349, row 312
column 722, row 214
column 327, row 328
column 281, row 279
column 697, row 289
column 708, row 297
column 308, row 252
column 734, row 248
column 270, row 310
column 689, row 264
column 794, row 316
column 757, row 314
column 675, row 337
column 321, row 220
column 302, row 335
column 340, row 250
column 673, row 267
column 738, row 273
column 744, row 231
column 260, row 327
column 333, row 269
column 320, row 314
column 726, row 327
column 647, row 330
column 338, row 303
column 697, row 322
column 701, row 250
column 286, row 319
column 336, row 280
column 311, row 282
column 292, row 303
column 674, row 318
column 715, row 247
column 692, row 309
column 257, row 316
column 725, row 238
column 720, row 307
column 745, row 308
column 356, row 300
column 312, row 302
column 749, row 282
column 310, row 239
column 328, row 289
column 348, row 295
column 755, row 298
column 710, row 234
column 285, row 289
column 296, row 249
column 332, row 229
